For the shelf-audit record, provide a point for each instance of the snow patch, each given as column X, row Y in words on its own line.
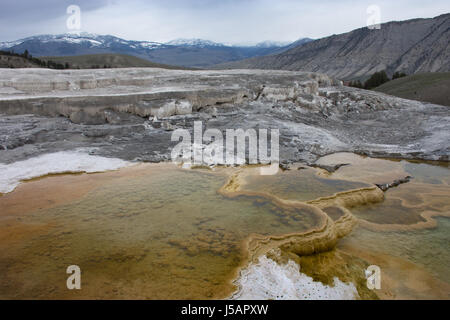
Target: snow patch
column 150, row 45
column 194, row 43
column 267, row 280
column 52, row 163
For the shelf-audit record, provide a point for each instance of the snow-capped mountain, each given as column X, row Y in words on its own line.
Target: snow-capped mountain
column 82, row 38
column 9, row 44
column 182, row 52
column 199, row 43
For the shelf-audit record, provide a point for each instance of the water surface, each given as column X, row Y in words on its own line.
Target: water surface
column 160, row 232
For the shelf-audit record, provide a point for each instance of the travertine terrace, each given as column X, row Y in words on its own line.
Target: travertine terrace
column 130, row 113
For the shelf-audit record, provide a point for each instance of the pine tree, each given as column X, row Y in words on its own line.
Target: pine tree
column 397, row 75
column 377, row 79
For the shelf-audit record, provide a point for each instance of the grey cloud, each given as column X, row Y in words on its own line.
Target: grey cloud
column 232, row 21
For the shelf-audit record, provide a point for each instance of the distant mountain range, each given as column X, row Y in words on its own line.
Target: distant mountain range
column 181, row 52
column 411, row 46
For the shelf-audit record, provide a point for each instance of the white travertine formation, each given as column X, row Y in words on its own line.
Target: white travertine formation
column 52, row 163
column 268, row 280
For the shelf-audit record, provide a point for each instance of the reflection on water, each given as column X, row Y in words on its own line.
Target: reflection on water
column 301, row 185
column 391, row 211
column 428, row 248
column 159, row 232
column 426, row 173
column 334, row 212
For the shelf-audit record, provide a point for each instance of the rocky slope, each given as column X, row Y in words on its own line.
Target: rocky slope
column 129, row 113
column 412, row 46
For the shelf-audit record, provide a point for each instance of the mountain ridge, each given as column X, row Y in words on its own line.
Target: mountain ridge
column 192, row 53
column 410, row 46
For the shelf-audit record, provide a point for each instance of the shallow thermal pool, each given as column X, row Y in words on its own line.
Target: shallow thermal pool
column 155, row 231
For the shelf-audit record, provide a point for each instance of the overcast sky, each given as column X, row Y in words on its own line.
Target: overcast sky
column 227, row 21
